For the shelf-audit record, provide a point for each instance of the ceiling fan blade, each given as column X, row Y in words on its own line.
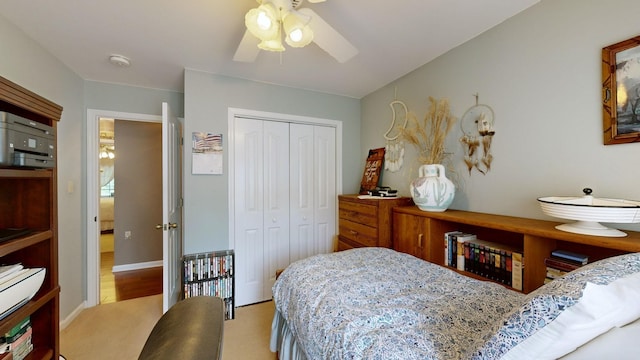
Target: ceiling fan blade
column 247, row 49
column 316, row 1
column 325, row 36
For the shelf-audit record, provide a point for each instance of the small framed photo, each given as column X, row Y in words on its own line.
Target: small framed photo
column 621, row 92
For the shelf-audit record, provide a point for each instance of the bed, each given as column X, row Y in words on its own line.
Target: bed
column 106, row 214
column 376, row 303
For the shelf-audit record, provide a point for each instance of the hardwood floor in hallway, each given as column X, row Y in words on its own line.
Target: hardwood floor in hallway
column 125, row 285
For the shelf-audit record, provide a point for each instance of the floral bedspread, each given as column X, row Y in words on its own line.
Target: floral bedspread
column 375, row 303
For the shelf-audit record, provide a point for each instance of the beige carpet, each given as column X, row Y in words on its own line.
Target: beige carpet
column 119, row 331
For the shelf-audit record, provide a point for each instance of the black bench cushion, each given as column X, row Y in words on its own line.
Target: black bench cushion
column 192, row 329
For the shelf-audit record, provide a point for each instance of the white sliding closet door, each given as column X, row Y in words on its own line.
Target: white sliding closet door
column 261, row 206
column 313, row 190
column 284, row 199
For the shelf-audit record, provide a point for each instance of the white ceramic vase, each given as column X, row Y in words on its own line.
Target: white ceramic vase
column 432, row 190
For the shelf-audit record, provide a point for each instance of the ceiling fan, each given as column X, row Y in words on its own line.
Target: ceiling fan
column 273, row 19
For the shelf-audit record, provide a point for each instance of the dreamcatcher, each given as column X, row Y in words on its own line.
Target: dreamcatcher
column 394, row 148
column 477, row 130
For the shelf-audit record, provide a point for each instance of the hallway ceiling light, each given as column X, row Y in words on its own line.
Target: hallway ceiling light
column 107, row 152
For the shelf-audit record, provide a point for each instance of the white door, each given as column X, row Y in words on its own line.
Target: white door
column 276, row 203
column 261, row 206
column 313, row 190
column 325, row 192
column 171, row 207
column 302, row 191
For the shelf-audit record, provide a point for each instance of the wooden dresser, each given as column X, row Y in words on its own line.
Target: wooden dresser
column 366, row 222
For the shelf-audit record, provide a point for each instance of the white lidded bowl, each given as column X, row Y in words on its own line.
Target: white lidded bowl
column 589, row 211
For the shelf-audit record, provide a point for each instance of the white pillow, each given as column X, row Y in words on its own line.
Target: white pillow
column 601, row 308
column 614, row 344
column 543, row 306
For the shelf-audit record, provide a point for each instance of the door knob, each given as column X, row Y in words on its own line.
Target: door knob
column 173, row 225
column 158, row 226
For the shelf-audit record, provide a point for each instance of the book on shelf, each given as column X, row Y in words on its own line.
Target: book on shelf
column 561, row 264
column 581, row 259
column 448, row 251
column 22, row 341
column 18, row 328
column 553, row 273
column 495, row 261
column 461, row 240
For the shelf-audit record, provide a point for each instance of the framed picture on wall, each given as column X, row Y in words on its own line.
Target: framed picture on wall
column 621, row 92
column 372, row 169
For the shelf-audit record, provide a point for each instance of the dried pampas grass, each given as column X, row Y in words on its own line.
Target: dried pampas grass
column 429, row 135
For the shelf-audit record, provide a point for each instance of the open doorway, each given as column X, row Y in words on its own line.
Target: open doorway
column 130, row 209
column 129, row 261
column 106, row 163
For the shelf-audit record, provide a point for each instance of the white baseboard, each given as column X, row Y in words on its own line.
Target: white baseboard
column 74, row 314
column 137, row 266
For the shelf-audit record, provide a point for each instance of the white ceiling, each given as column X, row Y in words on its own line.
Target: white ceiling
column 163, row 37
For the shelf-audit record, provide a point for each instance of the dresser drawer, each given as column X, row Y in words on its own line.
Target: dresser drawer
column 359, row 213
column 359, row 233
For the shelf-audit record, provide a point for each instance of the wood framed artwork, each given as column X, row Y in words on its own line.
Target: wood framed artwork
column 621, row 92
column 372, row 169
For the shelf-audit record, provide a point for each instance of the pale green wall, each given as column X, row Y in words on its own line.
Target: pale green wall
column 540, row 72
column 130, row 99
column 29, row 65
column 207, row 99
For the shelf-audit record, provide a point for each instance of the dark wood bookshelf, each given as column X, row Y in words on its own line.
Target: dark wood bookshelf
column 28, row 199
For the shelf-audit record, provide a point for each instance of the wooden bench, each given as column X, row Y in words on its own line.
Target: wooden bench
column 191, row 330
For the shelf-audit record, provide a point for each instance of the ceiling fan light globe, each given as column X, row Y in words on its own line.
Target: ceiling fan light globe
column 296, row 27
column 296, row 35
column 262, row 21
column 299, row 37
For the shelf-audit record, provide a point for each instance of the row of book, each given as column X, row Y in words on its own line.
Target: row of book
column 492, row 260
column 562, row 262
column 16, row 344
column 207, row 266
column 220, row 287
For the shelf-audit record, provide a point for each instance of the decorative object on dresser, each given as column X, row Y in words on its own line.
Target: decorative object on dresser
column 28, row 201
column 366, row 222
column 589, row 211
column 432, row 190
column 372, row 169
column 420, row 233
